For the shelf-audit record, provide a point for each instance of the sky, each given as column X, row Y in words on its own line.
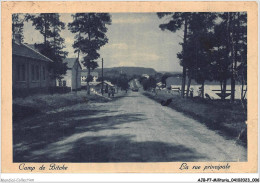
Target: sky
column 135, row 39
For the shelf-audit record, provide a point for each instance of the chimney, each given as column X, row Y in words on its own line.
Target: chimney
column 18, row 38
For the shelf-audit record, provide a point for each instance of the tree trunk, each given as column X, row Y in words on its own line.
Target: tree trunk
column 224, row 89
column 88, row 88
column 244, row 95
column 233, row 86
column 233, row 83
column 45, row 27
column 242, row 90
column 184, row 57
column 243, row 101
column 202, row 89
column 76, row 81
column 183, row 81
column 235, row 50
column 77, row 70
column 188, row 87
column 45, row 38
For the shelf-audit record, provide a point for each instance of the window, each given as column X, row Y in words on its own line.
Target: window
column 60, row 83
column 43, row 72
column 23, row 72
column 37, row 72
column 20, row 72
column 33, row 75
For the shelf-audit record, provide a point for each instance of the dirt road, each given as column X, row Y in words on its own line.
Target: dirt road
column 131, row 129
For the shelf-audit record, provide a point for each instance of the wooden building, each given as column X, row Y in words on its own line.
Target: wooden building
column 31, row 72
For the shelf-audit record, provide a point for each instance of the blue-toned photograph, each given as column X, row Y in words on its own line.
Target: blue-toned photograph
column 129, row 87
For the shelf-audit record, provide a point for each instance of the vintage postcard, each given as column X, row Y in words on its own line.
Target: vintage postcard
column 143, row 87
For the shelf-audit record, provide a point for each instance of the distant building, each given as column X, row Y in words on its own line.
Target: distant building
column 97, row 86
column 145, row 75
column 72, row 78
column 159, row 85
column 84, row 75
column 31, row 71
column 172, row 81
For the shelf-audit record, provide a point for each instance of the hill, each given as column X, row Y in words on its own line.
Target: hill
column 129, row 71
column 171, row 73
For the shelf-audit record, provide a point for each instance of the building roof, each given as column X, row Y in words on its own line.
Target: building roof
column 24, row 50
column 94, row 83
column 70, row 62
column 145, row 75
column 107, row 82
column 159, row 84
column 99, row 83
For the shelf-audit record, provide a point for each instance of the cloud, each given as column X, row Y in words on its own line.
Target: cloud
column 130, row 20
column 121, row 46
column 146, row 56
column 136, row 57
column 129, row 64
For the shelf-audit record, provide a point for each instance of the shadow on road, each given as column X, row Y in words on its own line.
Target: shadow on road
column 38, row 132
column 114, row 149
column 80, row 136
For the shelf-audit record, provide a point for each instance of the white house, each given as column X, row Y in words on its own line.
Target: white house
column 72, row 78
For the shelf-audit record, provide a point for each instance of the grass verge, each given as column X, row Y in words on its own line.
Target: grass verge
column 225, row 118
column 32, row 105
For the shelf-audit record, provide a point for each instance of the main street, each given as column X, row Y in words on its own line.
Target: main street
column 133, row 128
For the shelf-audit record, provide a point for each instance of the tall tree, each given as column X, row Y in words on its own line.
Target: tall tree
column 50, row 26
column 241, row 56
column 17, row 25
column 199, row 44
column 43, row 22
column 238, row 44
column 220, row 59
column 90, row 30
column 178, row 21
column 230, row 47
column 58, row 45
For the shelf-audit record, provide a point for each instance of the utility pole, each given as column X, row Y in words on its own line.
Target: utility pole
column 77, row 71
column 102, row 90
column 77, row 68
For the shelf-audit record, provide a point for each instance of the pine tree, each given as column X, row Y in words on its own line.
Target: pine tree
column 90, row 29
column 49, row 25
column 230, row 42
column 17, row 25
column 178, row 21
column 199, row 44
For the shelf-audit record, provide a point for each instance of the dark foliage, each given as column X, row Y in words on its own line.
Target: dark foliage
column 90, row 30
column 49, row 25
